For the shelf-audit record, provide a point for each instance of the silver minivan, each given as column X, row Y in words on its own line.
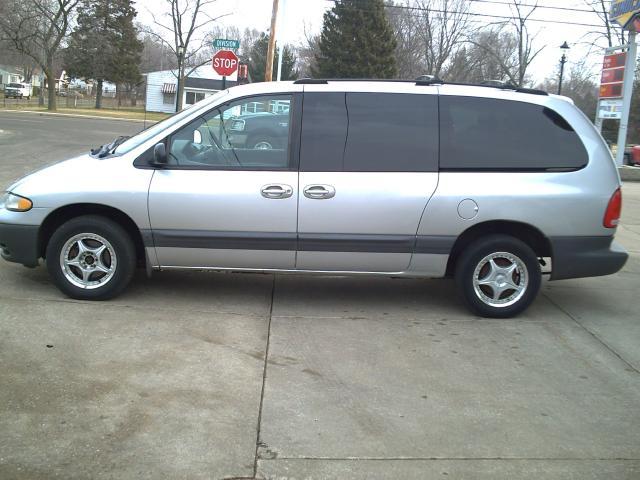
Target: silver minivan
column 494, row 186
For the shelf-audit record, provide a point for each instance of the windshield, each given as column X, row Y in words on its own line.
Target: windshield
column 159, row 127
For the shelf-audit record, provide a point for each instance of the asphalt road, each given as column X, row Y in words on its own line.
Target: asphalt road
column 29, row 141
column 206, row 375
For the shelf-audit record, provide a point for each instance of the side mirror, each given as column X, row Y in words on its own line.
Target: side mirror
column 159, row 155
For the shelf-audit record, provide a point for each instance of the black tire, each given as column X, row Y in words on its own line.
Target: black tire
column 119, row 241
column 515, row 302
column 256, row 140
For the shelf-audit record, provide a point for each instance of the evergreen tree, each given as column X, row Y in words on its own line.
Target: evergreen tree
column 356, row 42
column 104, row 46
column 257, row 60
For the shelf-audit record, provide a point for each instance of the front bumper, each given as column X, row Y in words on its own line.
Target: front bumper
column 578, row 257
column 19, row 243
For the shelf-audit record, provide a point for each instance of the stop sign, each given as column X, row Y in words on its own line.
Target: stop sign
column 225, row 63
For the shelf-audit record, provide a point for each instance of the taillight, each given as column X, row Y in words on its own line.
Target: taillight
column 612, row 215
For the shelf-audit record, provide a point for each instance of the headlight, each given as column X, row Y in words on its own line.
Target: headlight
column 237, row 125
column 15, row 203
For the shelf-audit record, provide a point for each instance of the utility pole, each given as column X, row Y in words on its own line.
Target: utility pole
column 268, row 74
column 281, row 47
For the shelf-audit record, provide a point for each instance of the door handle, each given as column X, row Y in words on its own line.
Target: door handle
column 319, row 192
column 276, row 190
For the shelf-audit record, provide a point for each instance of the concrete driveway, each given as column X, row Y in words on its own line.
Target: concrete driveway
column 211, row 375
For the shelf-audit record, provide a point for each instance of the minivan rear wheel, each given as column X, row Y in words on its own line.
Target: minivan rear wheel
column 498, row 276
column 91, row 258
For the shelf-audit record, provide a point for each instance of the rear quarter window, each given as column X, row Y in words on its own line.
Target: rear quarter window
column 491, row 134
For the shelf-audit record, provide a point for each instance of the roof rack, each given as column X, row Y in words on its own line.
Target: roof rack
column 325, row 81
column 424, row 81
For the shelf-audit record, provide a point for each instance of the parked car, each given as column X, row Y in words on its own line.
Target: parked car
column 486, row 184
column 263, row 130
column 632, row 155
column 17, row 90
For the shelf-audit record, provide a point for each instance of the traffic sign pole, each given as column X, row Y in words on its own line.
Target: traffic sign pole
column 627, row 92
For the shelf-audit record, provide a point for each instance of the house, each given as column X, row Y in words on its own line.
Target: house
column 10, row 74
column 163, row 85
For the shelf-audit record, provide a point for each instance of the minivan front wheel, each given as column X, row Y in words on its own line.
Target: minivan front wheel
column 498, row 276
column 91, row 258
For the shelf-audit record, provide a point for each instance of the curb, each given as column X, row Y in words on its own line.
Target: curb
column 76, row 115
column 630, row 174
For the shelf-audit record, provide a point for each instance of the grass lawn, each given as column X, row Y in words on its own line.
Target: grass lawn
column 128, row 113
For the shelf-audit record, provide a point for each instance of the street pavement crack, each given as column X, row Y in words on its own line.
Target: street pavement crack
column 264, row 379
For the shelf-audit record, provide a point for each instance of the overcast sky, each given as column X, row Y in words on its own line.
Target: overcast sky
column 299, row 15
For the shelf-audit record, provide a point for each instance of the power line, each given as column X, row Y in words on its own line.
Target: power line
column 485, row 15
column 549, row 7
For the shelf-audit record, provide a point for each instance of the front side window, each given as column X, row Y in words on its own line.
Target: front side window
column 251, row 134
column 369, row 132
column 491, row 134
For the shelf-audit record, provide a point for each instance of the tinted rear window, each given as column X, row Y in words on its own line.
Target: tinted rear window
column 482, row 133
column 369, row 132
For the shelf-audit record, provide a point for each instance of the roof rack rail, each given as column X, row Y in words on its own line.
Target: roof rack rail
column 424, row 81
column 500, row 86
column 311, row 81
column 324, row 81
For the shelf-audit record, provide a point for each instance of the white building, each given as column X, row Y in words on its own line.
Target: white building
column 163, row 85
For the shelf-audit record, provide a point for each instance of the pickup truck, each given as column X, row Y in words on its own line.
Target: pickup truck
column 17, row 90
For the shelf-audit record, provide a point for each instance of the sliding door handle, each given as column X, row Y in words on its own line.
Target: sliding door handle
column 319, row 192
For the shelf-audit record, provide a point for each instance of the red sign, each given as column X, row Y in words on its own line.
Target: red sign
column 615, row 75
column 611, row 90
column 612, row 78
column 225, row 63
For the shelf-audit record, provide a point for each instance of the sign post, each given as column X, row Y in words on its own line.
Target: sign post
column 627, row 93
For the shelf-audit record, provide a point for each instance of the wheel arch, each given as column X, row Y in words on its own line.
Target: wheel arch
column 261, row 132
column 525, row 232
column 63, row 214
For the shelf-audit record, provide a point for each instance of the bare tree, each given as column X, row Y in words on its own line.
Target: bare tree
column 307, row 52
column 517, row 52
column 612, row 34
column 155, row 54
column 579, row 84
column 472, row 64
column 37, row 28
column 428, row 34
column 185, row 23
column 444, row 24
column 410, row 49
